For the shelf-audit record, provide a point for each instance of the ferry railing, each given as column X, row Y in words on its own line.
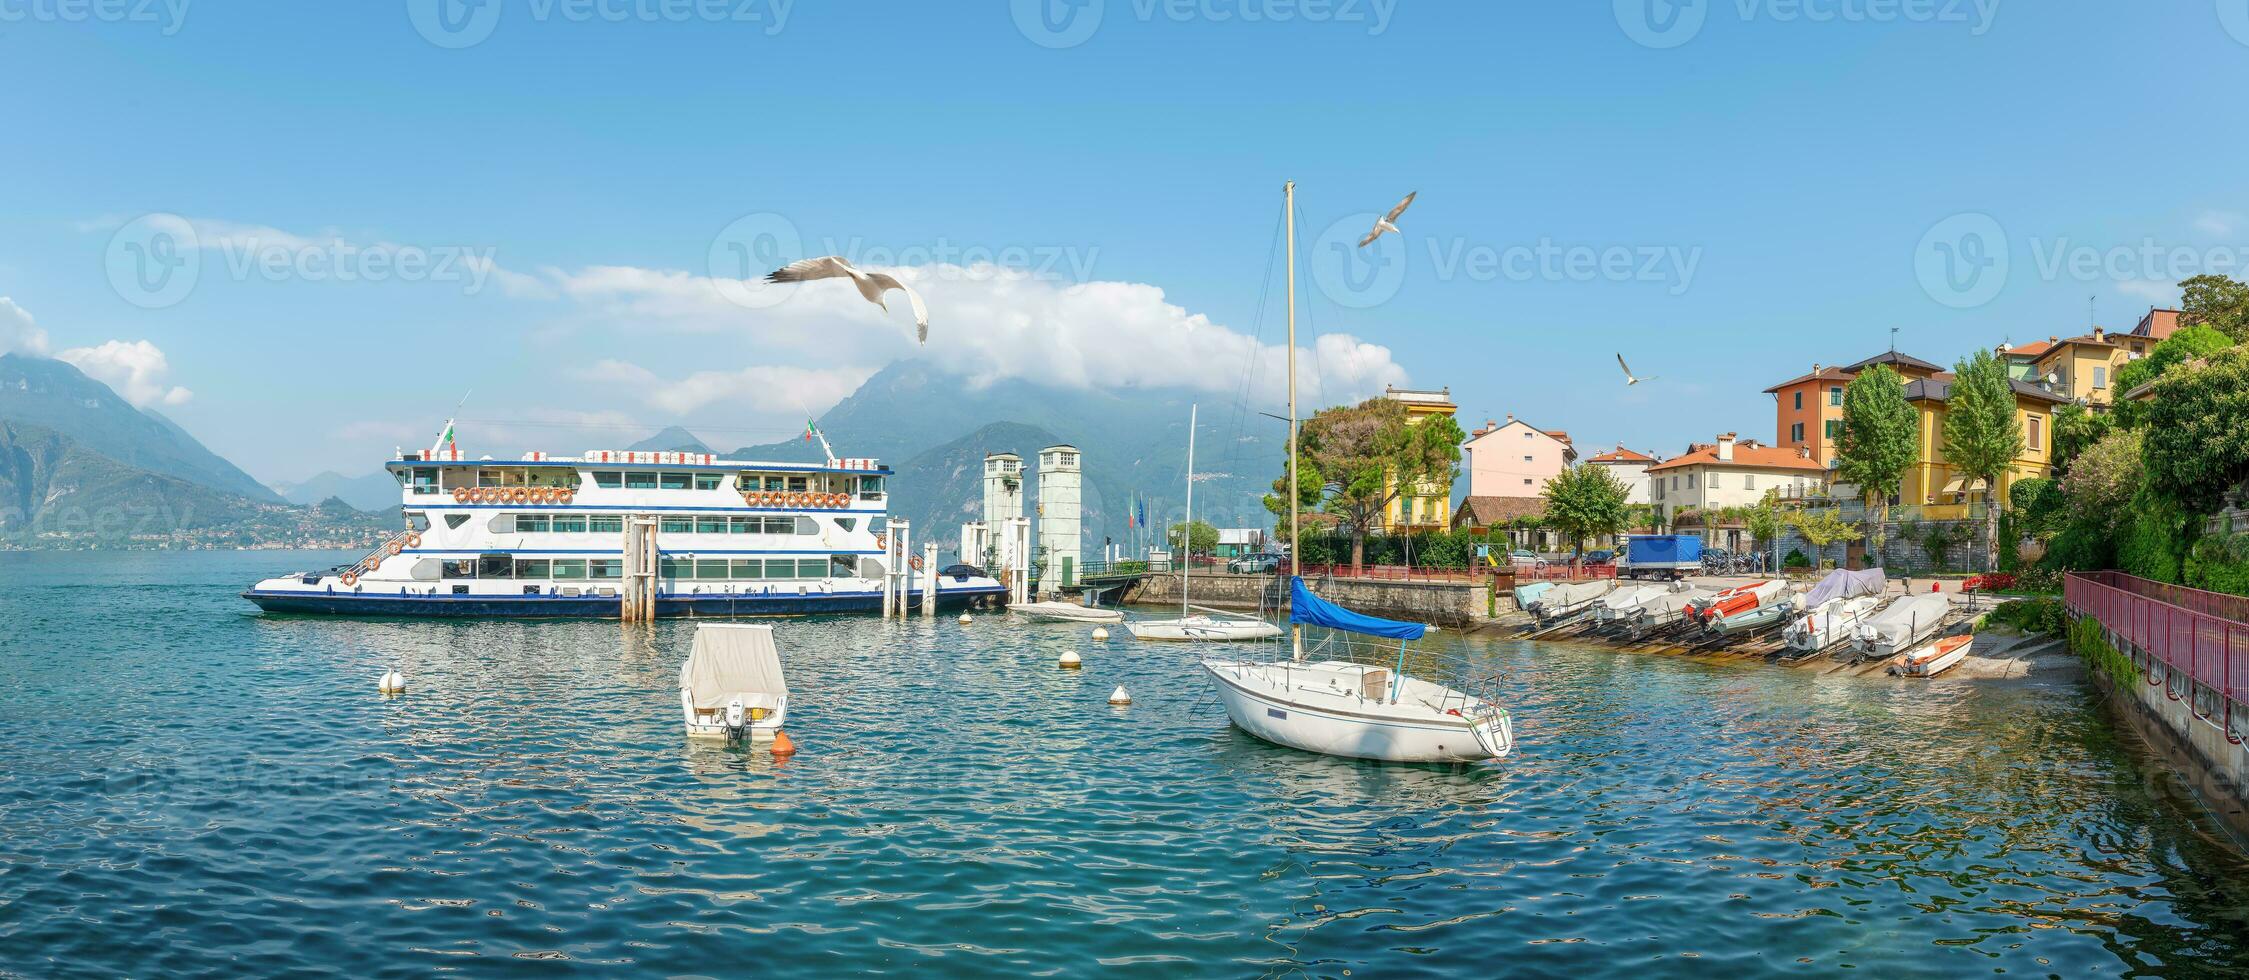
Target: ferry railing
column 368, row 561
column 2172, row 624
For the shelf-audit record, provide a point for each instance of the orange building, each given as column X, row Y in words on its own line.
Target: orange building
column 1809, row 409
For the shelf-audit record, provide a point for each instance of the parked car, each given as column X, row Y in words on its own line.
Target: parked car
column 1525, row 556
column 1258, row 563
column 1601, row 556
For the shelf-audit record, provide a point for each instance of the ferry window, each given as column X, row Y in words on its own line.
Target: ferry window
column 711, row 569
column 676, row 568
column 710, row 524
column 870, row 486
column 798, row 483
column 419, row 521
column 847, row 523
column 530, row 568
column 878, row 523
column 425, row 476
column 460, row 568
column 567, row 523
column 804, row 525
column 745, row 525
column 780, row 525
column 870, row 568
column 676, row 525
column 487, row 478
column 775, row 483
column 501, row 524
column 456, row 520
column 605, row 523
column 747, row 568
column 427, row 570
column 843, row 566
column 608, row 479
column 672, row 481
column 640, row 481
column 812, row 567
column 605, row 568
column 530, row 523
column 569, row 568
column 706, row 481
column 495, row 566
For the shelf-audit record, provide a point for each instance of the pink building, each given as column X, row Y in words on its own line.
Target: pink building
column 1515, row 458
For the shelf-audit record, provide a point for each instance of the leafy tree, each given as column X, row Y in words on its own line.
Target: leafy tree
column 1981, row 439
column 1369, row 454
column 2216, row 301
column 1766, row 519
column 1822, row 527
column 1586, row 501
column 1308, row 485
column 1202, row 540
column 2100, row 487
column 2197, row 447
column 2038, row 506
column 1642, row 517
column 2189, row 344
column 2077, row 428
column 1881, row 440
column 1938, row 538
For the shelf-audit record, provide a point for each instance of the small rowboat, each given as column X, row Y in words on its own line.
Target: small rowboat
column 1935, row 658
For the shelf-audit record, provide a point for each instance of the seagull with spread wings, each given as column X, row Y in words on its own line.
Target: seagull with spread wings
column 1629, row 380
column 1388, row 222
column 872, row 285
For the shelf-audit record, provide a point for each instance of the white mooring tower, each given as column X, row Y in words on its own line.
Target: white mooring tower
column 1061, row 495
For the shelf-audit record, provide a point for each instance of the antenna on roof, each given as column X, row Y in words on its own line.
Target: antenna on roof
column 1893, row 340
column 2092, row 319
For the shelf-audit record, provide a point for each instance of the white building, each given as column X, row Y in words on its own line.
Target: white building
column 1515, row 458
column 1729, row 473
column 1630, row 468
column 1061, row 480
column 1003, row 488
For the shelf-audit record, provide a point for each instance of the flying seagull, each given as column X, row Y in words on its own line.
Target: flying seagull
column 871, row 285
column 1629, row 380
column 1388, row 222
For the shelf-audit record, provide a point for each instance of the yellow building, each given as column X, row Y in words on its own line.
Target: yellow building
column 1932, row 484
column 1427, row 507
column 2079, row 368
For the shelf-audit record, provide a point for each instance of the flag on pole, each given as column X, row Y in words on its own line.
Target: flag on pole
column 445, row 438
column 810, row 430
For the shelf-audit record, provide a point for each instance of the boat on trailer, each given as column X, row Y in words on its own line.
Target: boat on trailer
column 1348, row 694
column 731, row 685
column 552, row 536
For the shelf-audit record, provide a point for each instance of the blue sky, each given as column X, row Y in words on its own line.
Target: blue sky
column 1768, row 185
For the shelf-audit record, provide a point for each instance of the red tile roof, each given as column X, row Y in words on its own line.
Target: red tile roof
column 1753, row 457
column 1823, row 374
column 1622, row 455
column 2031, row 350
column 1487, row 511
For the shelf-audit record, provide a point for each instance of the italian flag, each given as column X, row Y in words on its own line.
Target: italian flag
column 809, row 430
column 445, row 438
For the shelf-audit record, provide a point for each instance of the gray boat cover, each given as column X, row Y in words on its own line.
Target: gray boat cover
column 1565, row 596
column 1905, row 622
column 1670, row 604
column 1843, row 583
column 731, row 660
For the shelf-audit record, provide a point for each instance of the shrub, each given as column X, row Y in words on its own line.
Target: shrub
column 2041, row 615
column 1992, row 582
column 1796, row 559
column 2087, row 641
column 2039, row 579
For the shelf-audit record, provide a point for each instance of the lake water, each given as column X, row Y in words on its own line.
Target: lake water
column 188, row 787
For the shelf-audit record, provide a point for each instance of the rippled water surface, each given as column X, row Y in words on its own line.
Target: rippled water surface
column 187, row 786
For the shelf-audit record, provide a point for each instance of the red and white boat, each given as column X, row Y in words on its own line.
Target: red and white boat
column 1935, row 657
column 1740, row 598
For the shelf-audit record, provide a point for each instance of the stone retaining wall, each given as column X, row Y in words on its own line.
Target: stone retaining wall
column 1453, row 605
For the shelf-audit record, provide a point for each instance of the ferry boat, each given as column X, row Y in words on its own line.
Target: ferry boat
column 555, row 537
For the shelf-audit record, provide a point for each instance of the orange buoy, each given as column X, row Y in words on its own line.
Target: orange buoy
column 782, row 746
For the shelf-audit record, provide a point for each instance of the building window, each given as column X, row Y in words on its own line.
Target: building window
column 2034, row 444
column 1526, row 459
column 1834, row 428
column 1690, row 481
column 1526, row 481
column 1799, row 401
column 1749, row 481
column 1835, row 395
column 1796, row 432
column 2100, row 377
column 1713, row 481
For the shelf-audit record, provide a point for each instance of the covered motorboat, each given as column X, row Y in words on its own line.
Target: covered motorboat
column 1770, row 614
column 1901, row 626
column 1068, row 612
column 731, row 685
column 1620, row 603
column 1829, row 623
column 1526, row 595
column 1348, row 694
column 1667, row 609
column 1740, row 598
column 1571, row 599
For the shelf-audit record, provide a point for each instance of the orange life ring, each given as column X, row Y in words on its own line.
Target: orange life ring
column 413, row 539
column 538, row 495
column 882, row 540
column 397, row 546
column 914, row 562
column 460, row 495
column 835, row 500
column 350, row 579
column 550, row 495
column 796, row 500
column 519, row 494
column 484, row 494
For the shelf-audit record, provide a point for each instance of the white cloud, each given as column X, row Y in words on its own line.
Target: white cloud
column 770, row 388
column 991, row 323
column 2153, row 290
column 2217, row 222
column 18, row 333
column 135, row 370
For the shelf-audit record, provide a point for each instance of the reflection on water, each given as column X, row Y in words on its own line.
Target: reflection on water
column 188, row 787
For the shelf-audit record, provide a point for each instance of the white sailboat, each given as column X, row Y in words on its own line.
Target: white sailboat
column 1350, row 702
column 1196, row 622
column 1070, row 612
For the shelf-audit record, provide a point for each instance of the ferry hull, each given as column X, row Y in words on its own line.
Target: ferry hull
column 597, row 607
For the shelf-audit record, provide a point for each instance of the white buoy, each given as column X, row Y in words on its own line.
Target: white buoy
column 965, row 620
column 392, row 682
column 1070, row 660
column 1100, row 633
column 1119, row 697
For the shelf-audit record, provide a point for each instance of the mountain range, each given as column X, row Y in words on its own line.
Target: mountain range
column 82, row 467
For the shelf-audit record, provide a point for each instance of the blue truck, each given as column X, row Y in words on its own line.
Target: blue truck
column 1661, row 556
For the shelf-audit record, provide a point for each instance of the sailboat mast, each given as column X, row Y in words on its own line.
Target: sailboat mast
column 1187, row 533
column 1288, row 194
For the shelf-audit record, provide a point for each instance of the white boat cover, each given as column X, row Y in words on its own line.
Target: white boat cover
column 731, row 660
column 1828, row 622
column 1623, row 599
column 1843, row 583
column 1906, row 620
column 1577, row 593
column 1672, row 603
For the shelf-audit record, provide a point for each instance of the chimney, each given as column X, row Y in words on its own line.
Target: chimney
column 2099, row 334
column 1815, row 367
column 1510, row 417
column 1803, row 452
column 1726, row 447
column 2053, row 340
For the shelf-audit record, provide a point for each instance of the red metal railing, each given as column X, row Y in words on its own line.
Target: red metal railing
column 2171, row 623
